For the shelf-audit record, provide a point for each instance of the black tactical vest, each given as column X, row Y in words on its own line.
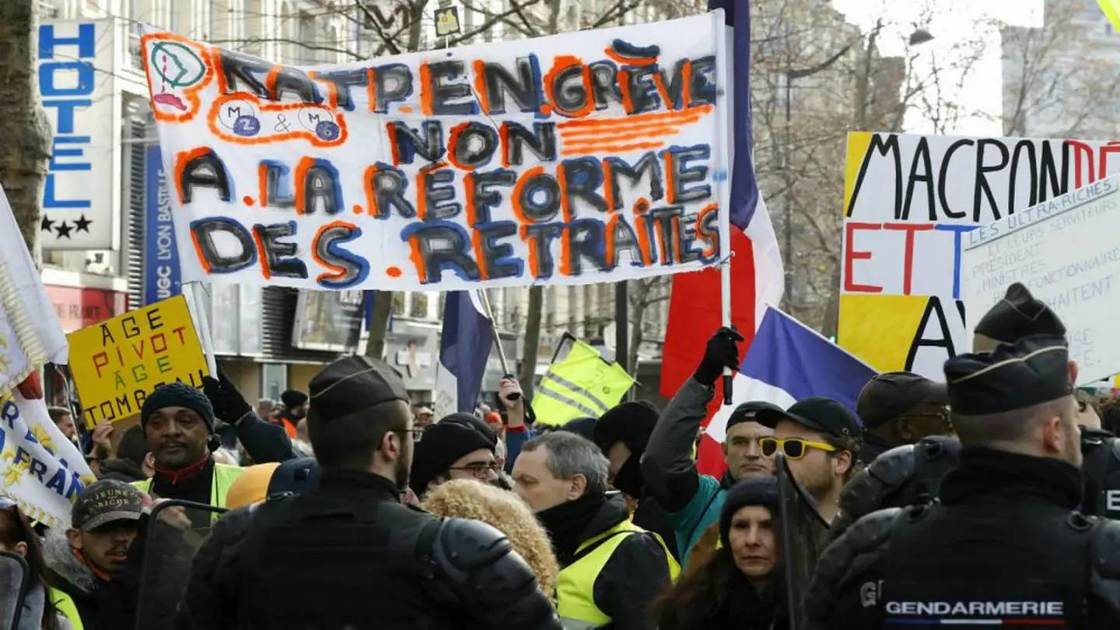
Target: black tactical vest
column 316, row 563
column 1006, row 562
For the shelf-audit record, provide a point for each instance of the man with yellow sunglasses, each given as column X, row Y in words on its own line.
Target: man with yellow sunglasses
column 820, row 438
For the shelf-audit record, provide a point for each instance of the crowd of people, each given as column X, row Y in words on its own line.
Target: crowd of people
column 980, row 500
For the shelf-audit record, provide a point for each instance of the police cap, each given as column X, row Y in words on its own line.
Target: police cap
column 1031, row 371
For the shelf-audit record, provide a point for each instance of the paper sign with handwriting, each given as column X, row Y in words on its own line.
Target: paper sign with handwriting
column 584, row 157
column 1064, row 252
column 118, row 362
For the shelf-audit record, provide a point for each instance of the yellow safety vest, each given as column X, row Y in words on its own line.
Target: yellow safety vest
column 65, row 605
column 224, row 476
column 575, row 587
column 582, row 385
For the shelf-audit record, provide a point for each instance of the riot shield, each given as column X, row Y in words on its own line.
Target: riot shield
column 174, row 531
column 804, row 536
column 15, row 578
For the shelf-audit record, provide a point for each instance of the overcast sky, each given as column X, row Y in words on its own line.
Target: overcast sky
column 952, row 22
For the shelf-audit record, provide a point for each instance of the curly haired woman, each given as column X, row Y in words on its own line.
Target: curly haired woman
column 466, row 498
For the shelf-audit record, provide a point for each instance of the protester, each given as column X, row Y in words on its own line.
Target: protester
column 294, row 410
column 739, row 584
column 1088, row 415
column 622, row 435
column 466, row 498
column 301, row 443
column 1110, row 417
column 819, row 438
column 1006, row 527
column 105, row 521
column 42, row 607
column 900, row 408
column 459, row 446
column 266, row 408
column 423, row 417
column 611, row 569
column 359, row 557
column 130, row 462
column 64, row 420
column 516, row 430
column 178, row 423
column 693, row 501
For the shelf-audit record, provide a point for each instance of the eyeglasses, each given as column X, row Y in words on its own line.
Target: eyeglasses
column 481, row 470
column 417, row 434
column 793, row 448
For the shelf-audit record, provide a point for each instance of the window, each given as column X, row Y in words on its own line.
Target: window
column 419, row 305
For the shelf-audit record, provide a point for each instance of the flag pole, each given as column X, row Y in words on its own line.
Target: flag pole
column 485, row 300
column 202, row 324
column 726, row 188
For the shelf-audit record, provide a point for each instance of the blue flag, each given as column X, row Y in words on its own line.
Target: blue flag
column 788, row 362
column 464, row 347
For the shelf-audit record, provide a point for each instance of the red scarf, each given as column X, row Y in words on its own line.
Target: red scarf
column 182, row 474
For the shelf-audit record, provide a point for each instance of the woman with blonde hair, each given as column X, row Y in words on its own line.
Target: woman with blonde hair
column 467, row 498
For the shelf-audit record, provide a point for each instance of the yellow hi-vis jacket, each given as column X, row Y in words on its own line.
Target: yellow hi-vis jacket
column 65, row 605
column 224, row 476
column 582, row 385
column 575, row 588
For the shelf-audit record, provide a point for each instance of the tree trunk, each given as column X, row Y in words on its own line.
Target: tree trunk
column 379, row 324
column 23, row 123
column 416, row 22
column 532, row 340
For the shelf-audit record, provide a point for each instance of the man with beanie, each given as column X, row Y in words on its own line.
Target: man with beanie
column 360, row 557
column 178, row 424
column 295, row 409
column 901, row 408
column 668, row 467
column 460, row 446
column 622, row 435
column 611, row 570
column 1005, row 544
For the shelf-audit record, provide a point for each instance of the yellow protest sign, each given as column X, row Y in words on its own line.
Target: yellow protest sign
column 118, row 362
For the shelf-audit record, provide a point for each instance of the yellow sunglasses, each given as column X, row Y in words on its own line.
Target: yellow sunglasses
column 793, row 448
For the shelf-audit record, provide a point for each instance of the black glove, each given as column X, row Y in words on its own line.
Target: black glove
column 720, row 353
column 229, row 404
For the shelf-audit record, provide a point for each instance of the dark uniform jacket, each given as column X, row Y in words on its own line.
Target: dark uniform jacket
column 1004, row 546
column 362, row 560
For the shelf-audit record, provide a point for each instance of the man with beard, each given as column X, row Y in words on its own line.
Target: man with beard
column 693, row 501
column 819, row 438
column 1005, row 544
column 295, row 409
column 360, row 557
column 610, row 569
column 178, row 424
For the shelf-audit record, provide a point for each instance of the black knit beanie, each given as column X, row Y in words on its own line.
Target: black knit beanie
column 178, row 394
column 630, row 423
column 756, row 491
column 443, row 443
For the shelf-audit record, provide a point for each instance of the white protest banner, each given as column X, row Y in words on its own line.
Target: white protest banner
column 1065, row 252
column 585, row 157
column 909, row 202
column 30, row 334
column 39, row 468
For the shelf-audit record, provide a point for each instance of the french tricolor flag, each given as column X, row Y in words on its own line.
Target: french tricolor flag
column 464, row 348
column 756, row 263
column 788, row 362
